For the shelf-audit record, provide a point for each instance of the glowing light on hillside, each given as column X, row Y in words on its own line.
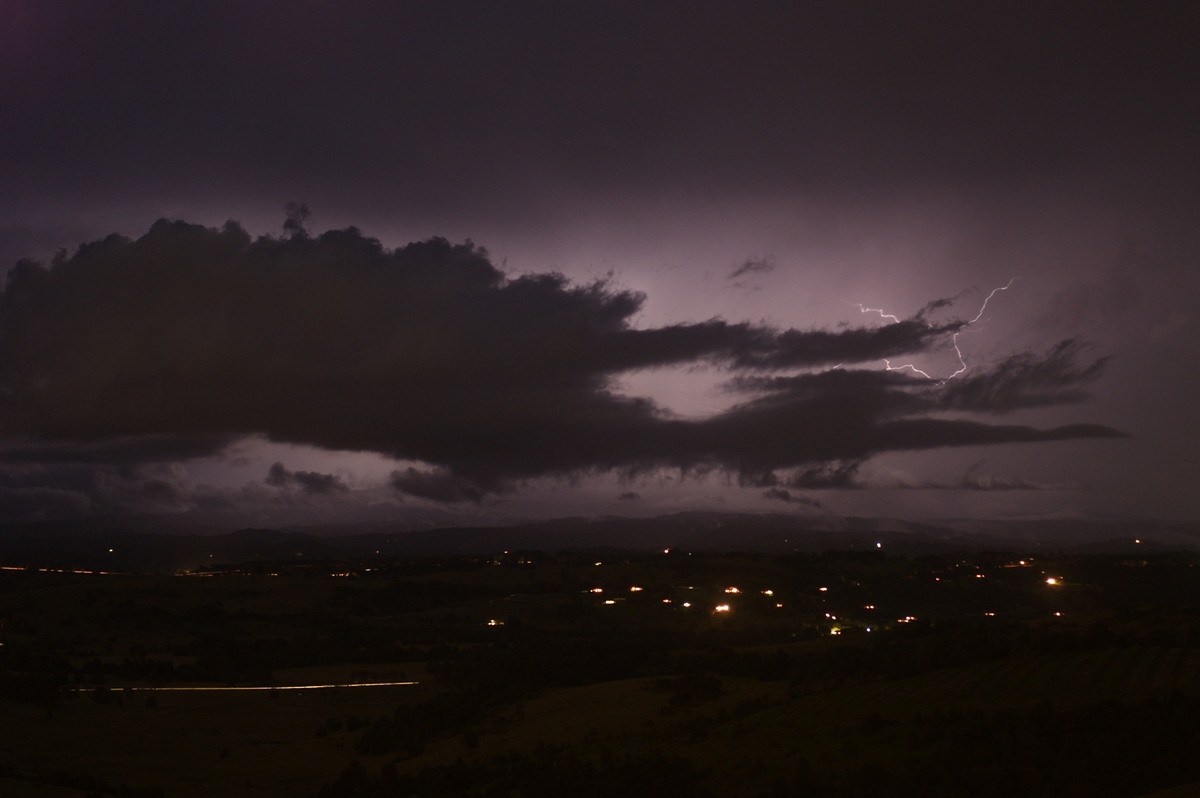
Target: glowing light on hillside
column 635, row 589
column 732, row 590
column 768, row 592
column 1050, row 580
column 721, row 608
column 823, row 589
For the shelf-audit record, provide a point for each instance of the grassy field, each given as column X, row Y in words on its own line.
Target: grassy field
column 750, row 699
column 268, row 743
column 198, row 744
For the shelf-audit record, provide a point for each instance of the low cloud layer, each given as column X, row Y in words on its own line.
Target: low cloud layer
column 309, row 482
column 178, row 343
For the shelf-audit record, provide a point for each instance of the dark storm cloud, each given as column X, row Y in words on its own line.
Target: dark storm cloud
column 1021, row 381
column 119, row 449
column 442, row 486
column 629, row 496
column 784, row 495
column 310, row 482
column 827, row 475
column 753, row 266
column 192, row 336
column 975, row 479
column 1026, row 380
column 69, row 490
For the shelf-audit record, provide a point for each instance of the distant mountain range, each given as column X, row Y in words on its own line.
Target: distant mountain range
column 120, row 549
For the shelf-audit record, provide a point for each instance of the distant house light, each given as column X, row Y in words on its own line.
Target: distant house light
column 721, row 608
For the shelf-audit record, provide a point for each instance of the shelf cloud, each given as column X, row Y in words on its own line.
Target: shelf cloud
column 175, row 344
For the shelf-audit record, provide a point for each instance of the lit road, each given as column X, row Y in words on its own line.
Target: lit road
column 242, row 689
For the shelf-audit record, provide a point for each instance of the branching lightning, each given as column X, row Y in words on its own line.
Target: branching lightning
column 962, row 363
column 888, row 364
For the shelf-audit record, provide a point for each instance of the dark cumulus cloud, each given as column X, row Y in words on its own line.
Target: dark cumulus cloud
column 751, row 266
column 309, row 482
column 192, row 337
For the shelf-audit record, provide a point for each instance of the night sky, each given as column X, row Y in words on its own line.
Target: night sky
column 275, row 262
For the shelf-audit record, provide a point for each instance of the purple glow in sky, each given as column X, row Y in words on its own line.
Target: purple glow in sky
column 598, row 259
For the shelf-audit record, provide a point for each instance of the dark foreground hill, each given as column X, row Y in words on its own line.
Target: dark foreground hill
column 119, row 548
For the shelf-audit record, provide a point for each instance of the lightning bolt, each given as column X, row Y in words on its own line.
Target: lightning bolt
column 962, row 363
column 882, row 315
column 988, row 299
column 888, row 364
